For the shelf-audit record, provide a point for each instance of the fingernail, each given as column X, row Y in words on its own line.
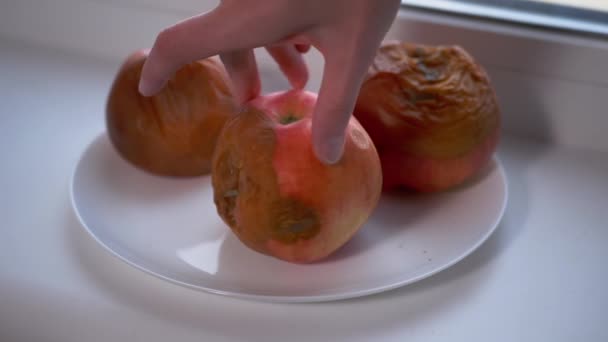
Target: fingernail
column 145, row 88
column 330, row 151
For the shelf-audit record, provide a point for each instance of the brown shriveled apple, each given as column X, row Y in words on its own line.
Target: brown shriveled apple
column 432, row 113
column 174, row 132
column 276, row 196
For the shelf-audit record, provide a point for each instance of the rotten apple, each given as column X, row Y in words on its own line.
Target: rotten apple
column 432, row 114
column 174, row 132
column 276, row 196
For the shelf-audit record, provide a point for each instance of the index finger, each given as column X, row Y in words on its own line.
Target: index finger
column 203, row 36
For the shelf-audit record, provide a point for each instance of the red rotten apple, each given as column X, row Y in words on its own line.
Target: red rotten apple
column 273, row 192
column 431, row 113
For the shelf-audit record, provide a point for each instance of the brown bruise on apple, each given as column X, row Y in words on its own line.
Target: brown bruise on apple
column 437, row 97
column 246, row 189
column 344, row 194
column 174, row 132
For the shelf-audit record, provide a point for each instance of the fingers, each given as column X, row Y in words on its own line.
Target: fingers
column 342, row 77
column 243, row 72
column 348, row 48
column 291, row 62
column 182, row 43
column 205, row 35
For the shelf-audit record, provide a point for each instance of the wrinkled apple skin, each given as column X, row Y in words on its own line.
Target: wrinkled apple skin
column 432, row 114
column 174, row 132
column 274, row 193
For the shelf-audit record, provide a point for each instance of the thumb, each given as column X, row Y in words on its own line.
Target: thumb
column 343, row 74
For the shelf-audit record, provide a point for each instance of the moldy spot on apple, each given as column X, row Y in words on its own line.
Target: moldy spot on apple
column 245, row 182
column 289, row 118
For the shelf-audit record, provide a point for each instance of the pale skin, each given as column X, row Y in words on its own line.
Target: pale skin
column 346, row 32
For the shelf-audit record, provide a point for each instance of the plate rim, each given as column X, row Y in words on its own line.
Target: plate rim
column 283, row 298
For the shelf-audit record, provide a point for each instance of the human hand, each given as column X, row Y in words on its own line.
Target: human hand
column 346, row 32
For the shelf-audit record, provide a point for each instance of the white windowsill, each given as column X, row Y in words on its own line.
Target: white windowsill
column 518, row 16
column 541, row 276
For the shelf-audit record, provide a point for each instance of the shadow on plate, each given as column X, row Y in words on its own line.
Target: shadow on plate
column 121, row 177
column 259, row 321
column 399, row 209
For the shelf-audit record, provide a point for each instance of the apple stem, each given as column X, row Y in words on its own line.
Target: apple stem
column 289, row 118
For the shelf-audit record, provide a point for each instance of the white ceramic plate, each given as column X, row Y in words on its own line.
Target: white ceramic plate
column 170, row 228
